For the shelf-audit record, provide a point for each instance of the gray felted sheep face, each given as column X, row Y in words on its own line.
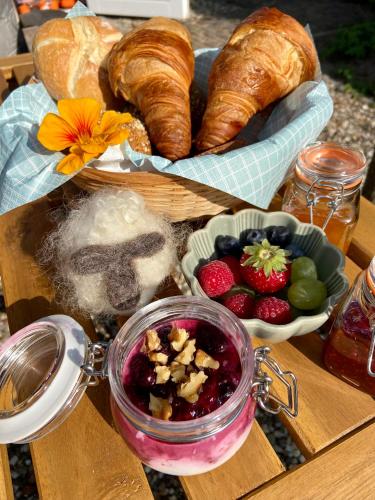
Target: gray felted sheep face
column 113, row 252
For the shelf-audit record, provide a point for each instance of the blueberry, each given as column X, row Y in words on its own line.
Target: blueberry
column 279, row 235
column 211, row 340
column 296, row 251
column 228, row 245
column 142, row 371
column 226, row 390
column 252, row 236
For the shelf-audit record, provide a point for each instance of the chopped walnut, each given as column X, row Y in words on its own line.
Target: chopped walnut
column 177, row 372
column 160, row 408
column 162, row 374
column 158, row 357
column 190, row 390
column 152, row 341
column 204, row 360
column 177, row 338
column 186, row 356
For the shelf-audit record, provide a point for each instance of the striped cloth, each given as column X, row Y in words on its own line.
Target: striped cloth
column 252, row 173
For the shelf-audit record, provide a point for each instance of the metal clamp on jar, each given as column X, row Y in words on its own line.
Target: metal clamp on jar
column 46, row 367
column 325, row 190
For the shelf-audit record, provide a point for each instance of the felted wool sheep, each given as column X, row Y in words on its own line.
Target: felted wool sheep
column 111, row 253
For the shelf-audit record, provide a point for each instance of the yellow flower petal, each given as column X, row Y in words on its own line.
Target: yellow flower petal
column 94, row 148
column 111, row 121
column 70, row 164
column 55, row 133
column 117, row 137
column 81, row 114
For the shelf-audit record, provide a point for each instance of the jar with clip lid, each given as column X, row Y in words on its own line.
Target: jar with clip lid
column 349, row 349
column 325, row 190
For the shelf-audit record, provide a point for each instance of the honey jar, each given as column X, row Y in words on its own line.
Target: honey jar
column 325, row 190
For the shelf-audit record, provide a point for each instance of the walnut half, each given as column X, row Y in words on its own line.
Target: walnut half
column 158, row 357
column 177, row 338
column 160, row 408
column 186, row 356
column 162, row 374
column 204, row 360
column 190, row 390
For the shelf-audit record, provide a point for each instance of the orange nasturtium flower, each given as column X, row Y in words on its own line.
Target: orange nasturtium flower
column 84, row 129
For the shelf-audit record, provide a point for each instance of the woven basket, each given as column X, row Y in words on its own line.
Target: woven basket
column 175, row 197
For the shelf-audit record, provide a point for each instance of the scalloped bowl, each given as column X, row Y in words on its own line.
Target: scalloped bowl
column 329, row 261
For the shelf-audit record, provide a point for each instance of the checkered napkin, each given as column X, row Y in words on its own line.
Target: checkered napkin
column 252, row 173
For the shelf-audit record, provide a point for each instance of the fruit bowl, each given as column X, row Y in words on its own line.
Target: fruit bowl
column 311, row 239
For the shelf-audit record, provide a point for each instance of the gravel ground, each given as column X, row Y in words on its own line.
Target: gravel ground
column 353, row 123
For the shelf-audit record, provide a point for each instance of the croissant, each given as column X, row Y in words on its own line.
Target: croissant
column 152, row 67
column 268, row 55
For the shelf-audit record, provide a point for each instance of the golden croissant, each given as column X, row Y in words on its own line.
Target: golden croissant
column 268, row 55
column 152, row 67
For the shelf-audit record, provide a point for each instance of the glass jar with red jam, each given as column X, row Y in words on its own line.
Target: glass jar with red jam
column 184, row 382
column 349, row 349
column 325, row 190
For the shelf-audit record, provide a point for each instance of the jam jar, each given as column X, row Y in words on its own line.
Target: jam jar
column 46, row 367
column 349, row 348
column 325, row 190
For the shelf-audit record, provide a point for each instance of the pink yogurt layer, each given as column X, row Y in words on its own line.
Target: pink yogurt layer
column 187, row 459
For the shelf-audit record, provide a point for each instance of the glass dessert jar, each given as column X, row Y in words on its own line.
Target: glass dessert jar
column 63, row 362
column 349, row 348
column 325, row 190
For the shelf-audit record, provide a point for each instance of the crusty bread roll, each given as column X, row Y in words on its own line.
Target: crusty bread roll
column 268, row 55
column 138, row 137
column 70, row 58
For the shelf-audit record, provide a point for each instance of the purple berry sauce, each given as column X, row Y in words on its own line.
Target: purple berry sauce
column 140, row 378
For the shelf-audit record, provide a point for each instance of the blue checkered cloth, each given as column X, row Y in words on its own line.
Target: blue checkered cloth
column 252, row 173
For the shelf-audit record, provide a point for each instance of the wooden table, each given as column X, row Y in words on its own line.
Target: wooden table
column 86, row 458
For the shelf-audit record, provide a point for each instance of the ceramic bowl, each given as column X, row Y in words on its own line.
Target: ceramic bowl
column 329, row 260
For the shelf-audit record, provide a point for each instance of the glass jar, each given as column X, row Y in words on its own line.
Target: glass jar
column 63, row 363
column 325, row 190
column 349, row 349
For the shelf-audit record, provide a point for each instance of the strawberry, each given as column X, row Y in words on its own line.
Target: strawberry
column 241, row 304
column 264, row 267
column 273, row 310
column 234, row 266
column 215, row 278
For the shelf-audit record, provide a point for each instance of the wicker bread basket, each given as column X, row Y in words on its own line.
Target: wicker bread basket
column 175, row 197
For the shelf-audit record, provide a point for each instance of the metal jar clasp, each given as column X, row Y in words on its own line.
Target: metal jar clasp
column 334, row 200
column 262, row 384
column 96, row 366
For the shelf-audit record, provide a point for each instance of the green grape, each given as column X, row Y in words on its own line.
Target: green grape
column 303, row 267
column 307, row 294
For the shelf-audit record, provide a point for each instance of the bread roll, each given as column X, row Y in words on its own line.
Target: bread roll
column 70, row 58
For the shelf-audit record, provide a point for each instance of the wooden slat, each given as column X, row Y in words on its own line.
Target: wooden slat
column 7, row 64
column 6, row 488
column 329, row 408
column 3, row 88
column 345, row 471
column 85, row 457
column 362, row 247
column 23, row 73
column 254, row 464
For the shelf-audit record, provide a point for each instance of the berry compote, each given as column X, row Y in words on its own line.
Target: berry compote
column 169, row 426
column 140, row 376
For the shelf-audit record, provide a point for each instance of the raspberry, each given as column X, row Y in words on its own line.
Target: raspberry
column 241, row 304
column 215, row 278
column 273, row 310
column 234, row 266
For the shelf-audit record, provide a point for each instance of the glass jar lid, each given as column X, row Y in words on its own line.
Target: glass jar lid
column 40, row 377
column 328, row 161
